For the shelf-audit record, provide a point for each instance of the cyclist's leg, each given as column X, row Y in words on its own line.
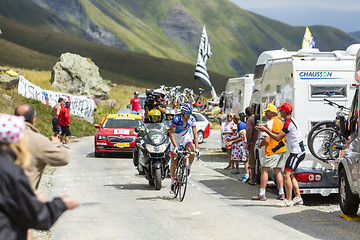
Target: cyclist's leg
column 189, row 146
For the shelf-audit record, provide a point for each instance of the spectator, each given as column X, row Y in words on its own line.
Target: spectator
column 55, row 114
column 135, row 105
column 19, row 207
column 240, row 124
column 239, row 152
column 274, row 154
column 64, row 121
column 43, row 151
column 251, row 137
column 229, row 130
column 295, row 144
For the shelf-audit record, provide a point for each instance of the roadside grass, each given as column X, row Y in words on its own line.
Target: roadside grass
column 9, row 99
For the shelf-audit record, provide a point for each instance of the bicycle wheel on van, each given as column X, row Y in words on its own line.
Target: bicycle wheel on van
column 316, row 128
column 183, row 180
column 322, row 142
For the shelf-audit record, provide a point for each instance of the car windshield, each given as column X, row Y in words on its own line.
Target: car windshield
column 122, row 123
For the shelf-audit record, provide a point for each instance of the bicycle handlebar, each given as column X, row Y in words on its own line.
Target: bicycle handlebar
column 331, row 103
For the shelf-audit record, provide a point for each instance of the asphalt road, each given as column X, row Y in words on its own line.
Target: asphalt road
column 117, row 203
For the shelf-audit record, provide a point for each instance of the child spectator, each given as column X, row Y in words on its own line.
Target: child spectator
column 239, row 152
column 229, row 129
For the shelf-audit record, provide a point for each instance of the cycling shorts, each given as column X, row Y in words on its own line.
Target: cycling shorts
column 181, row 139
column 293, row 161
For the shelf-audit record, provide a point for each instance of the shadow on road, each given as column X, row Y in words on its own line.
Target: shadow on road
column 321, row 224
column 158, row 198
column 110, row 155
column 133, row 186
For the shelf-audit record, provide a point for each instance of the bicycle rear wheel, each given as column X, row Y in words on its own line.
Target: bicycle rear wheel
column 183, row 180
column 322, row 143
column 317, row 127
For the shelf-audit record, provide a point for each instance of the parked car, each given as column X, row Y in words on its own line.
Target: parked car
column 116, row 133
column 202, row 126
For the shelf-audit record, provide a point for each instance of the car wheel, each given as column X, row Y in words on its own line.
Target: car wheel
column 200, row 136
column 98, row 154
column 349, row 203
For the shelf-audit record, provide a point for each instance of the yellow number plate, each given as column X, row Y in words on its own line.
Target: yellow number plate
column 123, row 145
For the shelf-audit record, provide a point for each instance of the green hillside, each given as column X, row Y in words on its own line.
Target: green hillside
column 165, row 29
column 28, row 47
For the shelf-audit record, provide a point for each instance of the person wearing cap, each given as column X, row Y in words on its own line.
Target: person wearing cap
column 135, row 105
column 295, row 145
column 20, row 209
column 274, row 154
column 64, row 121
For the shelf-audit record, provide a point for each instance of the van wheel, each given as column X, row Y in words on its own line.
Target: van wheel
column 349, row 203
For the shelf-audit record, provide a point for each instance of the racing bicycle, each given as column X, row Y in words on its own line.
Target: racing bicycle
column 181, row 174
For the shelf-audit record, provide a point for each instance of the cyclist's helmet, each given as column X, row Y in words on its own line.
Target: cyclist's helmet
column 170, row 111
column 154, row 115
column 186, row 107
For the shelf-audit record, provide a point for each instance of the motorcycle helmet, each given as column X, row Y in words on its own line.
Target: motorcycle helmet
column 154, row 115
column 186, row 107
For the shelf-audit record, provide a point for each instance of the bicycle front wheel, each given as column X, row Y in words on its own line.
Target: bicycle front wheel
column 322, row 143
column 176, row 180
column 183, row 181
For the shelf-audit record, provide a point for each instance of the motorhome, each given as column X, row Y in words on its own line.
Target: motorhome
column 304, row 79
column 236, row 98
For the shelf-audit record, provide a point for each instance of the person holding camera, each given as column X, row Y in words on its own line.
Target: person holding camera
column 274, row 154
column 154, row 101
column 295, row 144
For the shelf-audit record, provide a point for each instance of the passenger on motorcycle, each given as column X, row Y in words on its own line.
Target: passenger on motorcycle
column 179, row 134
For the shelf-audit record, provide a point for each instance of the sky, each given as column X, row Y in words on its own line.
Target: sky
column 343, row 14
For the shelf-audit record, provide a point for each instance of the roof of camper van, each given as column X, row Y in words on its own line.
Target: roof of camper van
column 312, row 53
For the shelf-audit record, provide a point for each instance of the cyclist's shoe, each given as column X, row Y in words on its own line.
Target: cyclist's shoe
column 259, row 197
column 286, row 203
column 298, row 201
column 189, row 173
column 281, row 197
column 172, row 188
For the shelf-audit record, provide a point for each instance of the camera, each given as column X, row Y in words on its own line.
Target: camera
column 150, row 97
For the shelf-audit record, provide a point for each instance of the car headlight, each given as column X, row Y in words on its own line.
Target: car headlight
column 100, row 137
column 156, row 149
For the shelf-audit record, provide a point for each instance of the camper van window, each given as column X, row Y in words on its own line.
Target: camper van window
column 259, row 69
column 323, row 91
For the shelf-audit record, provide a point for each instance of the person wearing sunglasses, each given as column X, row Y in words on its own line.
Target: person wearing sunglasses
column 180, row 134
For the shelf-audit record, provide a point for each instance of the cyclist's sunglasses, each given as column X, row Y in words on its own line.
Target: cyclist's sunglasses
column 188, row 113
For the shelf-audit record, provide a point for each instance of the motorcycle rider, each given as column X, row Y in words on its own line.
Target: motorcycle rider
column 154, row 117
column 179, row 134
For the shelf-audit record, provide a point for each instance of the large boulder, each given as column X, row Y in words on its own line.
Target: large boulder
column 80, row 76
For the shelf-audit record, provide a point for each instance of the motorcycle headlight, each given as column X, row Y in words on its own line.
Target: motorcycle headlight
column 100, row 137
column 156, row 149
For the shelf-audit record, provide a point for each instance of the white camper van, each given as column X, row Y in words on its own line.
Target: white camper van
column 303, row 79
column 236, row 98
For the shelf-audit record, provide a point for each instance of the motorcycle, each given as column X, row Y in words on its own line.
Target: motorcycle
column 151, row 154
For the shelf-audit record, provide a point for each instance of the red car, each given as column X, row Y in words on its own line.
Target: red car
column 116, row 133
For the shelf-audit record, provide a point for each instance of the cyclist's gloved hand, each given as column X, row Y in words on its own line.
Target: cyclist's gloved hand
column 197, row 152
column 175, row 150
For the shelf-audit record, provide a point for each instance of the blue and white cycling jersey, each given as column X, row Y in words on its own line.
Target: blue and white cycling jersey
column 179, row 124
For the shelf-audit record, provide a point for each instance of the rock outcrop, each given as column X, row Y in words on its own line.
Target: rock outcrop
column 80, row 76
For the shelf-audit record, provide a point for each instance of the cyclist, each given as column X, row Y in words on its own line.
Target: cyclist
column 179, row 134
